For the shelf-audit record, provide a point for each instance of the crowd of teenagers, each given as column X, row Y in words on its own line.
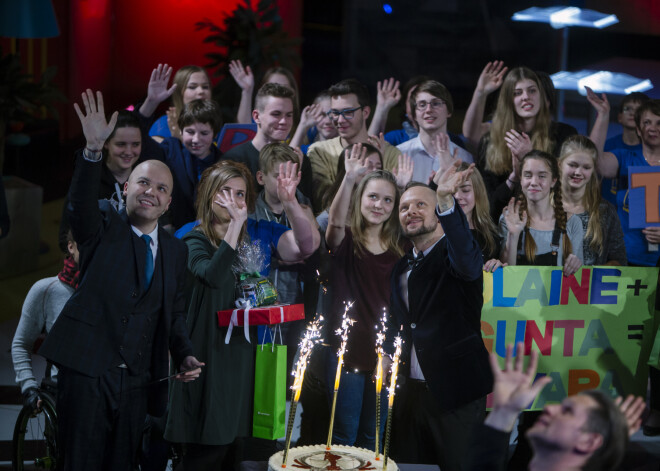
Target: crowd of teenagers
column 403, row 222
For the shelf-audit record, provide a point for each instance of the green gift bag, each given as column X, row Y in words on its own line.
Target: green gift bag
column 269, row 392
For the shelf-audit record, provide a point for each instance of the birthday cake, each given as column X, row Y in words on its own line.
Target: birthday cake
column 339, row 457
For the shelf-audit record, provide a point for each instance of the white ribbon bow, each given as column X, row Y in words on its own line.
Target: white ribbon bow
column 246, row 305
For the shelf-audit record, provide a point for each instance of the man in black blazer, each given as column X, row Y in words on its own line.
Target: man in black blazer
column 112, row 338
column 437, row 300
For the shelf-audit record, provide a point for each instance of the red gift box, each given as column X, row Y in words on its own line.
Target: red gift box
column 264, row 315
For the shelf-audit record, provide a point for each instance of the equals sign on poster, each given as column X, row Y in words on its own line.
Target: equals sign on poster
column 635, row 331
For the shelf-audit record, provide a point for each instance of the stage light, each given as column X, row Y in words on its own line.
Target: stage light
column 387, row 8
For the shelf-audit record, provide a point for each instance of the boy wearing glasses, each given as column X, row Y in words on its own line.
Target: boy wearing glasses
column 432, row 150
column 349, row 112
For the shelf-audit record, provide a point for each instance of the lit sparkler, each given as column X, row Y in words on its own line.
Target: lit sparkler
column 380, row 338
column 311, row 337
column 391, row 390
column 342, row 332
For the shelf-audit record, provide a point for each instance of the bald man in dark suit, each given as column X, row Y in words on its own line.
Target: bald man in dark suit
column 112, row 338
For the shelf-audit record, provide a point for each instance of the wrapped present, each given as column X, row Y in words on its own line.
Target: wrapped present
column 251, row 286
column 246, row 315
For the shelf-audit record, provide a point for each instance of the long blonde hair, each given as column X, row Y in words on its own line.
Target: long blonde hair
column 592, row 198
column 498, row 155
column 561, row 217
column 214, row 178
column 480, row 217
column 390, row 232
column 181, row 78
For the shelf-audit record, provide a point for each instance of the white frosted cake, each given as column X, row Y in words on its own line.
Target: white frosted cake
column 339, row 457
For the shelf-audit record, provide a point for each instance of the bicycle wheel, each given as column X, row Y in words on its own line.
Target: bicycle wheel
column 35, row 437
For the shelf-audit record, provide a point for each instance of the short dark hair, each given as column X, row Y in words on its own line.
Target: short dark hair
column 650, row 105
column 608, row 420
column 125, row 119
column 413, row 184
column 436, row 89
column 275, row 90
column 348, row 86
column 634, row 97
column 201, row 111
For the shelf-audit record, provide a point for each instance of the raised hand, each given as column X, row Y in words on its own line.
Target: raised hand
column 518, row 143
column 287, row 182
column 600, row 104
column 242, row 76
column 311, row 115
column 355, row 161
column 377, row 141
column 441, row 149
column 95, row 128
column 237, row 210
column 388, row 93
column 515, row 222
column 404, row 170
column 450, row 179
column 632, row 408
column 491, row 77
column 157, row 90
column 514, row 388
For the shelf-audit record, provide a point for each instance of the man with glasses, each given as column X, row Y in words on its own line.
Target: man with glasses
column 349, row 112
column 628, row 140
column 432, row 150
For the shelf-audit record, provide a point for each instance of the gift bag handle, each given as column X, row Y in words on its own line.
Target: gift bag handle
column 273, row 336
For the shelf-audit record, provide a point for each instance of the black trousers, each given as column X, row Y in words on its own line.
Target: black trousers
column 425, row 434
column 100, row 420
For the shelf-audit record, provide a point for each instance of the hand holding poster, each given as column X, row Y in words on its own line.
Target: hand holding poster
column 593, row 330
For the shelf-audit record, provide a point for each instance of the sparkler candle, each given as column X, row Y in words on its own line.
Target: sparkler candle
column 342, row 332
column 391, row 391
column 380, row 337
column 311, row 337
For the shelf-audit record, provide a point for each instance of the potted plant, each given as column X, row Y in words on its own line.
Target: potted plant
column 22, row 98
column 253, row 36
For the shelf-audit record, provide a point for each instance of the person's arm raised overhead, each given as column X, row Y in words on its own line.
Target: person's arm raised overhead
column 244, row 79
column 157, row 91
column 607, row 164
column 303, row 239
column 388, row 95
column 490, row 79
column 356, row 165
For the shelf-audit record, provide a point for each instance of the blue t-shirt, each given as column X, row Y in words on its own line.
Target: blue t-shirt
column 637, row 247
column 266, row 233
column 608, row 186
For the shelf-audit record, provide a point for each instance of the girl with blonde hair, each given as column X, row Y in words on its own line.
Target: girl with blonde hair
column 536, row 229
column 364, row 254
column 603, row 237
column 521, row 122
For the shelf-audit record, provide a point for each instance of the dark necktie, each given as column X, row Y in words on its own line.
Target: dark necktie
column 149, row 261
column 415, row 261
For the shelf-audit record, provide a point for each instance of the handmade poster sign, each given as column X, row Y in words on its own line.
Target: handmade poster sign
column 593, row 330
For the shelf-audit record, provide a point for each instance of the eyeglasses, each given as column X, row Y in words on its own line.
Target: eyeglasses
column 435, row 104
column 347, row 113
column 630, row 109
